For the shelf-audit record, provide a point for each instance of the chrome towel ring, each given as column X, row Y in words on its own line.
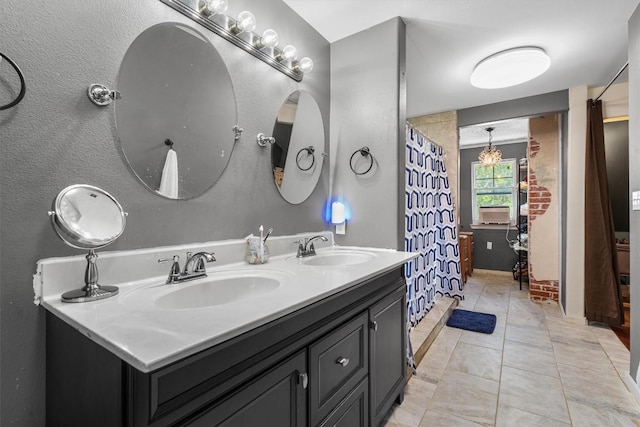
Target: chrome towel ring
column 23, row 84
column 364, row 152
column 310, row 152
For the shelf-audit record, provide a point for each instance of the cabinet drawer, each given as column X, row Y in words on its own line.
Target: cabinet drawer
column 353, row 411
column 337, row 363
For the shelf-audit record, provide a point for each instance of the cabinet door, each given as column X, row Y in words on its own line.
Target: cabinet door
column 276, row 398
column 387, row 353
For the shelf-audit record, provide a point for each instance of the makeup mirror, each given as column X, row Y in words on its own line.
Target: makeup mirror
column 177, row 117
column 87, row 217
column 298, row 153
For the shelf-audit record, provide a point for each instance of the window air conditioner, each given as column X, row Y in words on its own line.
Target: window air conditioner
column 494, row 215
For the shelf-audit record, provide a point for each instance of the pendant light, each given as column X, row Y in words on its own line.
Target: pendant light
column 490, row 156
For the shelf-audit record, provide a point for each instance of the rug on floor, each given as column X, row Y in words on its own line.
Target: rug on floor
column 472, row 321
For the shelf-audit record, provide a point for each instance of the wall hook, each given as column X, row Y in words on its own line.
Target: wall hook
column 263, row 140
column 101, row 95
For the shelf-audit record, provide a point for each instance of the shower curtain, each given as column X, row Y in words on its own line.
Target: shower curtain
column 430, row 228
column 603, row 302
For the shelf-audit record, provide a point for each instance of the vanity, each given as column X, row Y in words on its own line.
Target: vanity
column 324, row 347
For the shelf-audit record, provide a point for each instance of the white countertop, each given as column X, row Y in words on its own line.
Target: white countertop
column 132, row 325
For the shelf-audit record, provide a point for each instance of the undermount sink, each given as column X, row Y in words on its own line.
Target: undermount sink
column 338, row 258
column 214, row 291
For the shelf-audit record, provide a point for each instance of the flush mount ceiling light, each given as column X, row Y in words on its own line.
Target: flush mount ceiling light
column 490, row 156
column 510, row 67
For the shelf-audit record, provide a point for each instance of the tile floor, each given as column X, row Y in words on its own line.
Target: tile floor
column 534, row 370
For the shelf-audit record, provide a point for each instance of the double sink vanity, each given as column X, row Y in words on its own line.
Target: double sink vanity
column 316, row 340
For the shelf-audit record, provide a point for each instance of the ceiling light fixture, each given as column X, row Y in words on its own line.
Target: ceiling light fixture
column 240, row 31
column 510, row 67
column 490, row 156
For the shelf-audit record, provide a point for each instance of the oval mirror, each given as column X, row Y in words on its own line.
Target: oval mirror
column 87, row 217
column 298, row 152
column 177, row 113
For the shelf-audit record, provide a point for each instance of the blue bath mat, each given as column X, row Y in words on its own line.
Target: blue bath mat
column 472, row 321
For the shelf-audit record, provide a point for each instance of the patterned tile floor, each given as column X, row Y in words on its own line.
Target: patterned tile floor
column 534, row 370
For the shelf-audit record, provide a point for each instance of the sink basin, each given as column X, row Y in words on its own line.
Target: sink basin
column 338, row 258
column 215, row 291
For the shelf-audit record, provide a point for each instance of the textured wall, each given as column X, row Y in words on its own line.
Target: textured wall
column 442, row 128
column 56, row 138
column 544, row 208
column 367, row 109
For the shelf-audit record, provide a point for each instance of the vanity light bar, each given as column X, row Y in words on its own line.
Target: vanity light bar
column 210, row 14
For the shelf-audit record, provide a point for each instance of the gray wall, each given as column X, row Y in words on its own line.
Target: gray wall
column 552, row 102
column 56, row 137
column 501, row 257
column 616, row 145
column 634, row 182
column 368, row 99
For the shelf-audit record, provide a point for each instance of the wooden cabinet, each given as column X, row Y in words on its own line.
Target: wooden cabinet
column 468, row 250
column 339, row 361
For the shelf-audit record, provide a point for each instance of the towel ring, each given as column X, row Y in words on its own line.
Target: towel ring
column 169, row 143
column 310, row 150
column 23, row 84
column 364, row 152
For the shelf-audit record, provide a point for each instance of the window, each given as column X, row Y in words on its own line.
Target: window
column 494, row 186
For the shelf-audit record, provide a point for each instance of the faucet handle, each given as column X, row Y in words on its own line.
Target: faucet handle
column 174, row 272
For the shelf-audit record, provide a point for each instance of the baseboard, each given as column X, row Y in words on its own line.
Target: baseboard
column 500, row 272
column 573, row 320
column 632, row 386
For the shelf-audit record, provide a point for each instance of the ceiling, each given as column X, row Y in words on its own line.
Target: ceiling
column 586, row 40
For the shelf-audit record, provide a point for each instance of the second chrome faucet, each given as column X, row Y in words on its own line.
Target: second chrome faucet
column 305, row 246
column 194, row 268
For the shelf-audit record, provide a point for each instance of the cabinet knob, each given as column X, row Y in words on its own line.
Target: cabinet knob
column 303, row 379
column 342, row 361
column 373, row 325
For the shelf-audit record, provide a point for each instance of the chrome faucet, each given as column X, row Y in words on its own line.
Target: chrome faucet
column 305, row 246
column 194, row 268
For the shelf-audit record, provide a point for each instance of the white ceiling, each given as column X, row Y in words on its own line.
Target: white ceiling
column 586, row 40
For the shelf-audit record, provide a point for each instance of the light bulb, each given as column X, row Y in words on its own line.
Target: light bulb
column 305, row 65
column 245, row 22
column 212, row 7
column 269, row 39
column 288, row 53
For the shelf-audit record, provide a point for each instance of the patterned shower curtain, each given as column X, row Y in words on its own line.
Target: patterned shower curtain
column 430, row 228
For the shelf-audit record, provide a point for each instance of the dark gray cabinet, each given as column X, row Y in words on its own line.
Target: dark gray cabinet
column 277, row 398
column 353, row 411
column 339, row 361
column 387, row 354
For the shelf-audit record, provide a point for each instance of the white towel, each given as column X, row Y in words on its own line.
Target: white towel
column 169, row 181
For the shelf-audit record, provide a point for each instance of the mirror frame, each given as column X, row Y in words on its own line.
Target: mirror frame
column 66, row 231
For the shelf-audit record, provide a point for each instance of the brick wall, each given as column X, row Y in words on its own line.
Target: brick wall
column 543, row 232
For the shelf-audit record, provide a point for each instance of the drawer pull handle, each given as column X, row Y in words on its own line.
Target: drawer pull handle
column 303, row 379
column 342, row 361
column 373, row 325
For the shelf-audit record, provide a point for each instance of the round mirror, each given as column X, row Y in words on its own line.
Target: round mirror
column 298, row 152
column 177, row 113
column 87, row 217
